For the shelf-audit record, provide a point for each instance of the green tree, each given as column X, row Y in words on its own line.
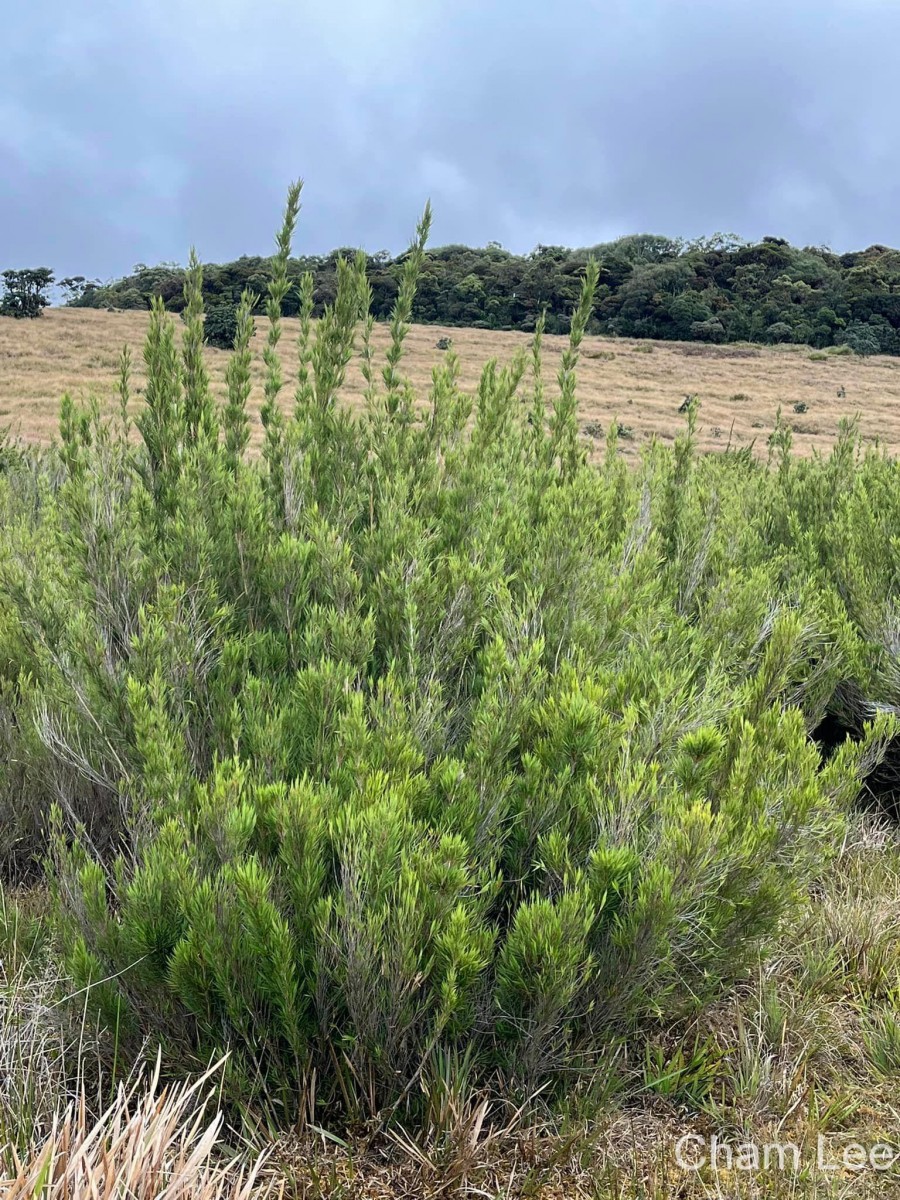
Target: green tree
column 76, row 289
column 25, row 291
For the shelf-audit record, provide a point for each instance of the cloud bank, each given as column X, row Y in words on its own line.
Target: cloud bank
column 130, row 132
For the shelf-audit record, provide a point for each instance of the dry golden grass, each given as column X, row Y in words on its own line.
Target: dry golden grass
column 638, row 384
column 150, row 1144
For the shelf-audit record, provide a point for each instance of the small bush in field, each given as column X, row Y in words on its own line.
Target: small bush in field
column 417, row 732
column 220, row 325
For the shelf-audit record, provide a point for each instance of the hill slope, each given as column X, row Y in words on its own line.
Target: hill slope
column 639, row 384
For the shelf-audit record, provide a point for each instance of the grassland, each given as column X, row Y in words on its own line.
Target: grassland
column 638, row 384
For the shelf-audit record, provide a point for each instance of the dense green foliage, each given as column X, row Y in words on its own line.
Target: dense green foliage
column 419, row 740
column 74, row 288
column 719, row 289
column 220, row 324
column 25, row 292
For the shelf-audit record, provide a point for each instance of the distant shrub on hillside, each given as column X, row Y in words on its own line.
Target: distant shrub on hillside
column 860, row 337
column 220, row 325
column 708, row 331
column 780, row 331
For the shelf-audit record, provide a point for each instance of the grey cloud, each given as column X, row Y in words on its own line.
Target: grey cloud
column 130, row 132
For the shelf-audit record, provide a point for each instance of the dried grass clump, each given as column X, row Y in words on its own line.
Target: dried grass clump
column 47, row 1055
column 149, row 1144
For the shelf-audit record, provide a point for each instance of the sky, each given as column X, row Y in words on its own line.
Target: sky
column 131, row 130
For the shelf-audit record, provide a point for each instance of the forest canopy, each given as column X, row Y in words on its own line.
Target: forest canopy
column 714, row 289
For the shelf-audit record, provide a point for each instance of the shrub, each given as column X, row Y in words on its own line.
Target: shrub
column 708, row 331
column 149, row 1144
column 780, row 331
column 860, row 337
column 418, row 732
column 221, row 325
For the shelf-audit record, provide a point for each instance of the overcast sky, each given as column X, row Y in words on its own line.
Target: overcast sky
column 132, row 129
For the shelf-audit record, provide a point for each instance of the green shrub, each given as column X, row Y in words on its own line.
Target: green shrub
column 417, row 732
column 780, row 331
column 707, row 331
column 860, row 337
column 220, row 325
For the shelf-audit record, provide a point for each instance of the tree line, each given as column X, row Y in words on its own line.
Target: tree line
column 715, row 289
